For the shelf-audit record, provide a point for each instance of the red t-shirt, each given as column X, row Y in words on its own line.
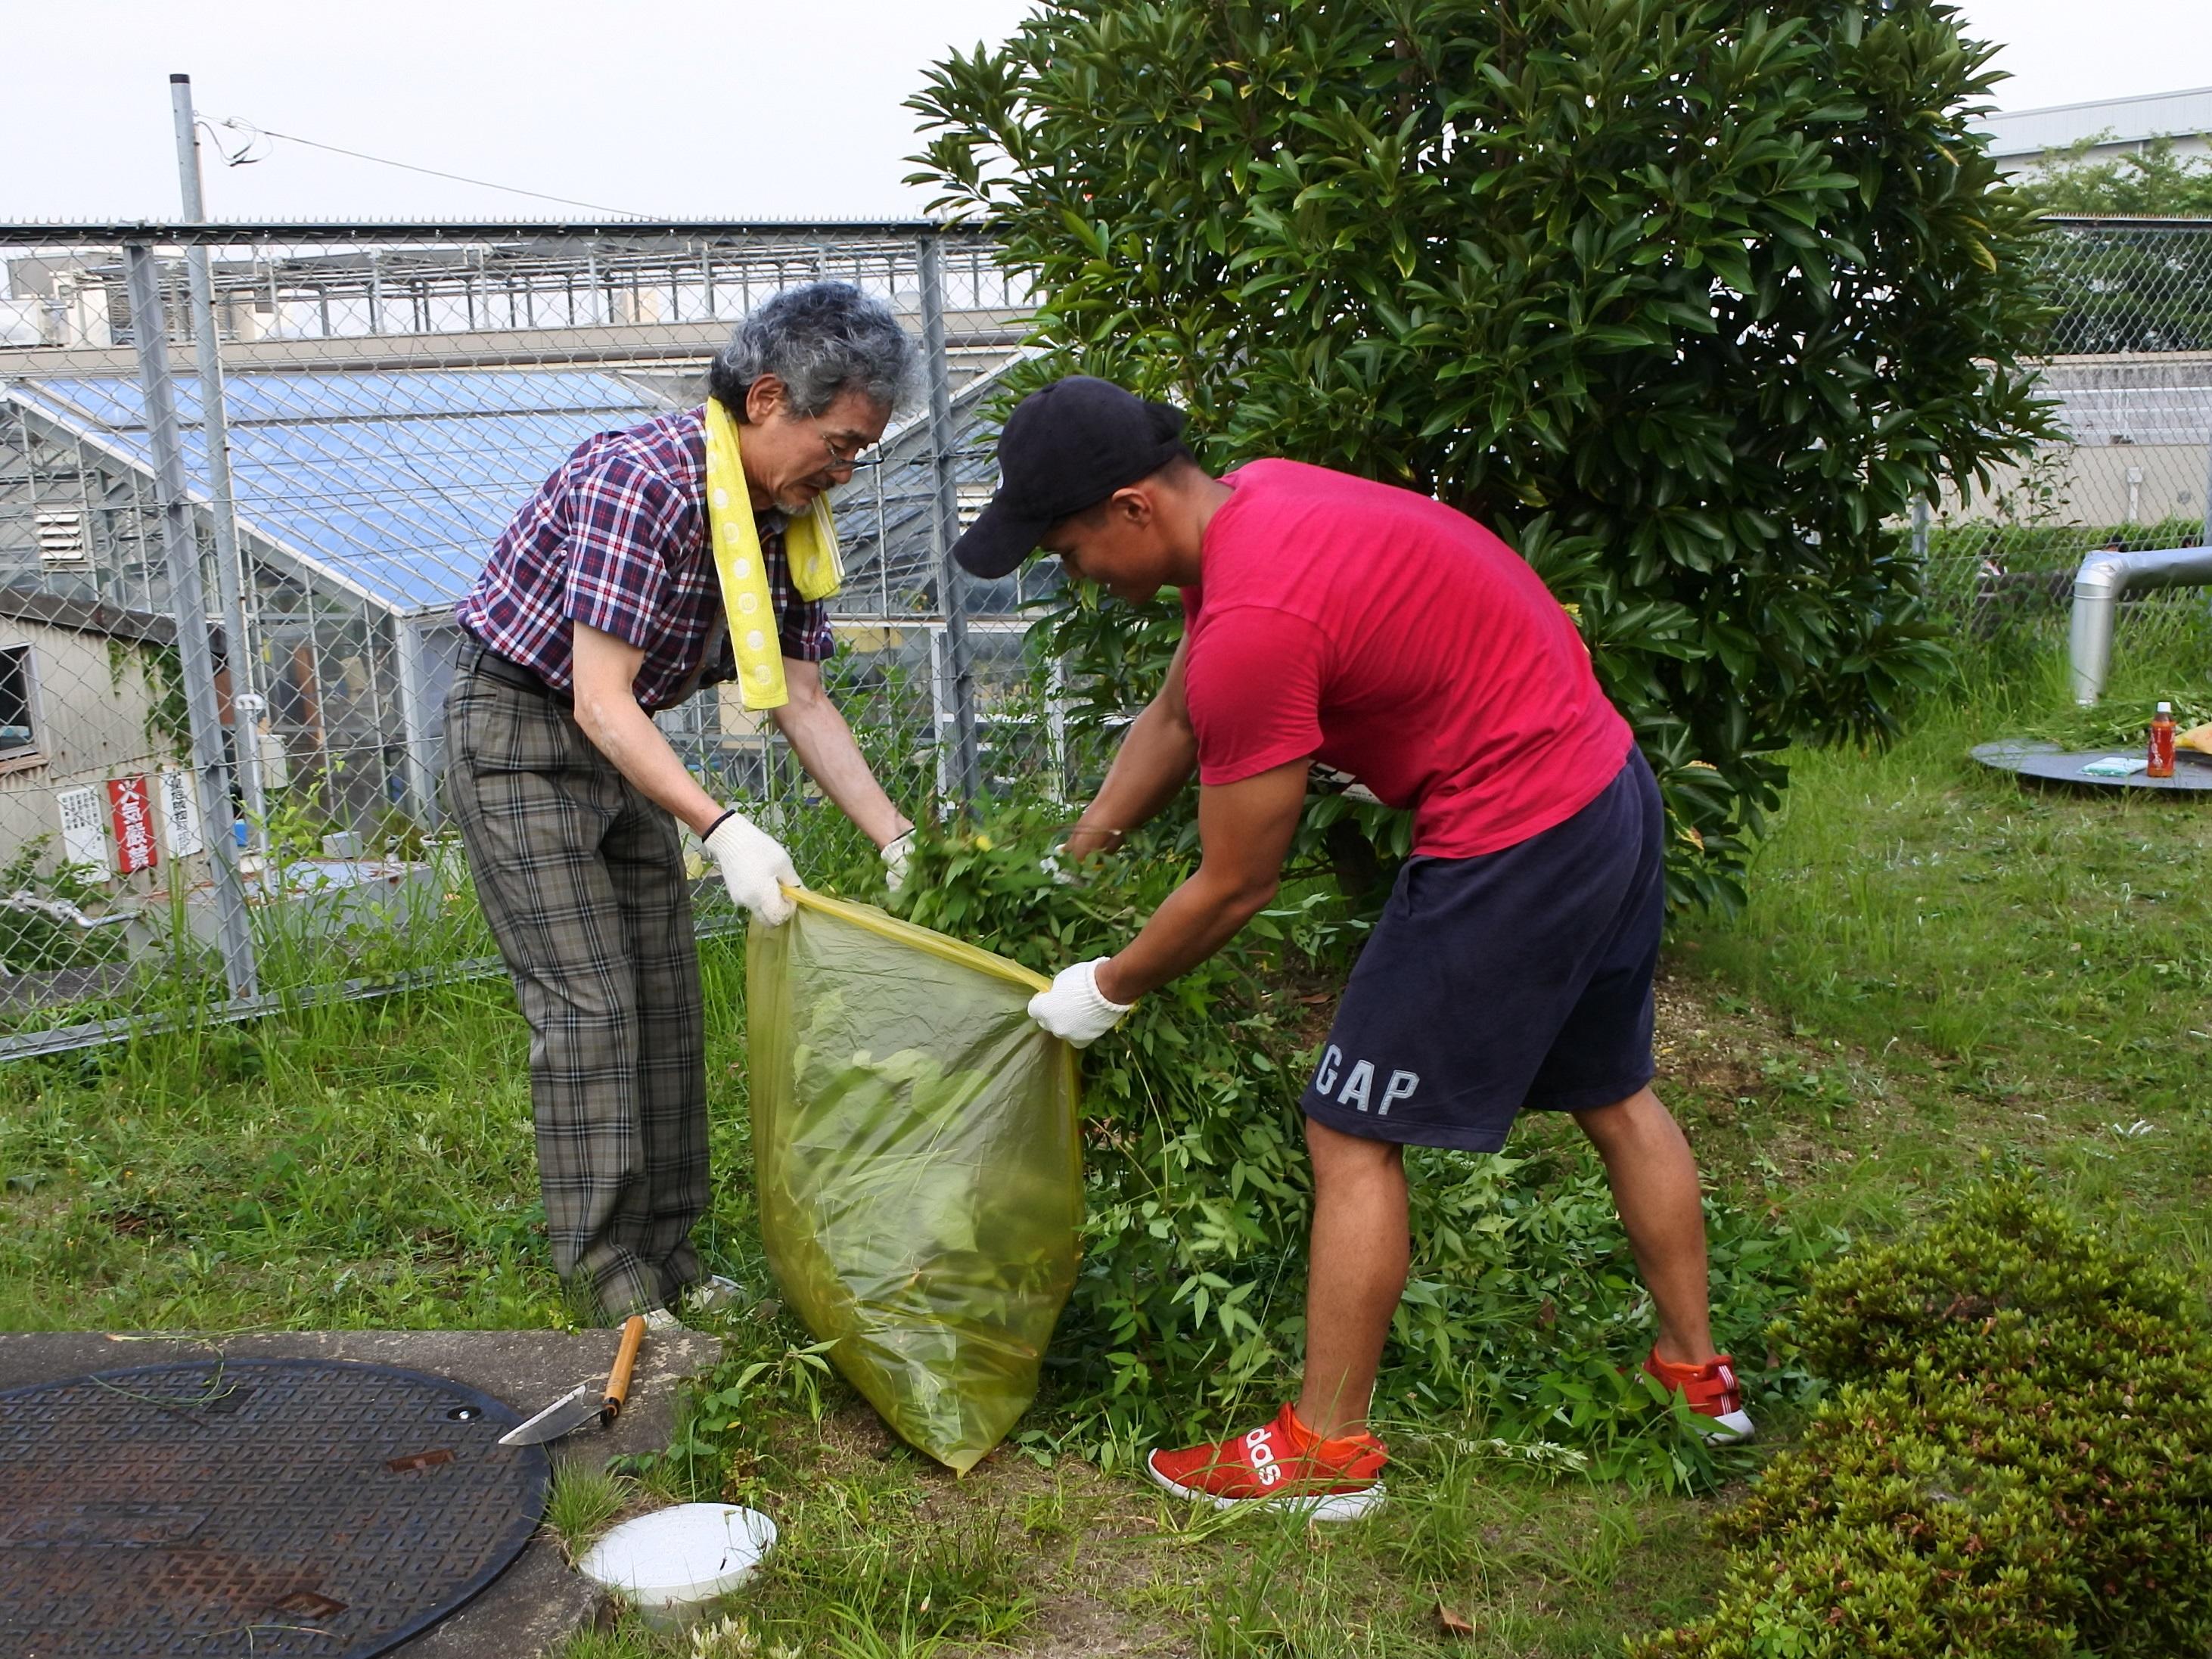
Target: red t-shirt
column 1398, row 640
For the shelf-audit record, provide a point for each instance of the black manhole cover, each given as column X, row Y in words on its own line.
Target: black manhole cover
column 257, row 1508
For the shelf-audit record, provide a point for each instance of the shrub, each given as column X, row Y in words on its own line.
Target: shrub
column 2003, row 1280
column 1687, row 299
column 2020, row 1461
column 35, row 929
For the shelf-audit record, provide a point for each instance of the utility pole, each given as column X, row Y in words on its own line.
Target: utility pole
column 149, row 332
column 246, row 701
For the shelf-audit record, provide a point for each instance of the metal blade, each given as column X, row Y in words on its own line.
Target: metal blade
column 570, row 1412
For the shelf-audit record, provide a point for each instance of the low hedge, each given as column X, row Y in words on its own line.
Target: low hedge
column 2018, row 1462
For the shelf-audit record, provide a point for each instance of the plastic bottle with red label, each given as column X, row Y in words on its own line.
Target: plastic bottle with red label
column 2161, row 743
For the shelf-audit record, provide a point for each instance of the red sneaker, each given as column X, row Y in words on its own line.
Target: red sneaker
column 1283, row 1466
column 1712, row 1391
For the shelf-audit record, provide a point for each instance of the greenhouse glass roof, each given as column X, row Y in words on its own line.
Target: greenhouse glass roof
column 395, row 483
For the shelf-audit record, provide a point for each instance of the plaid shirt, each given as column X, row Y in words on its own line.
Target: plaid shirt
column 617, row 538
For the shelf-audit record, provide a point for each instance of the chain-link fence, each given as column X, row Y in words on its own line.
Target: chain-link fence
column 226, row 811
column 230, row 811
column 2130, row 372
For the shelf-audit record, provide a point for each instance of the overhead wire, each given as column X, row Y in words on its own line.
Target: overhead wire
column 245, row 158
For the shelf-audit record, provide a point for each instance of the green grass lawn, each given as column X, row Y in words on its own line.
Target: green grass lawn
column 1937, row 971
column 1999, row 971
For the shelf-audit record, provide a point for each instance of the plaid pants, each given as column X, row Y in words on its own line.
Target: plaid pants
column 582, row 878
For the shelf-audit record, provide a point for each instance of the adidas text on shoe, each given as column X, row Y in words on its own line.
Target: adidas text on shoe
column 1282, row 1466
column 1711, row 1390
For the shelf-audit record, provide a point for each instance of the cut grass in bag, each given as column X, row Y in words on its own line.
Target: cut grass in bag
column 920, row 1178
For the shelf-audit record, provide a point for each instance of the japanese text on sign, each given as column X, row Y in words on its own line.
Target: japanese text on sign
column 180, row 814
column 83, row 840
column 132, row 812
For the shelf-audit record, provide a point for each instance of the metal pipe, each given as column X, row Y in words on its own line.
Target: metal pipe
column 61, row 910
column 415, row 716
column 223, row 506
column 2104, row 576
column 188, row 605
column 943, row 454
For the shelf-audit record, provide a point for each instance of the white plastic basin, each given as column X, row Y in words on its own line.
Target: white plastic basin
column 670, row 1564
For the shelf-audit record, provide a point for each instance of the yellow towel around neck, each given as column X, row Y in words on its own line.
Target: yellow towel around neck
column 810, row 543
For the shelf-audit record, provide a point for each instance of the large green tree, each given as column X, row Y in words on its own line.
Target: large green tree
column 2157, row 181
column 1687, row 299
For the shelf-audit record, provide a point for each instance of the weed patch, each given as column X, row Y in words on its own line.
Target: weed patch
column 1524, row 1311
column 581, row 1504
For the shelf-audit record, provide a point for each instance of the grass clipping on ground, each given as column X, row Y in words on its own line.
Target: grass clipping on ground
column 2019, row 1462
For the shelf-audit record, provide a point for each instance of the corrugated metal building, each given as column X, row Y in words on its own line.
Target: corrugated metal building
column 2021, row 140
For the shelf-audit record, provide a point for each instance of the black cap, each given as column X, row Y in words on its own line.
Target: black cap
column 1066, row 448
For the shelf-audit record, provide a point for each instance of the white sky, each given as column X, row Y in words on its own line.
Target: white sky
column 740, row 109
column 2066, row 52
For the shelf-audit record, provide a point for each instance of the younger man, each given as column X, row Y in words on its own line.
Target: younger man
column 1332, row 619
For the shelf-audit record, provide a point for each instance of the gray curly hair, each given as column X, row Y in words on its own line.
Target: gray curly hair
column 819, row 339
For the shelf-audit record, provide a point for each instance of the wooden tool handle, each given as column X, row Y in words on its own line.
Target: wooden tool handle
column 633, row 1338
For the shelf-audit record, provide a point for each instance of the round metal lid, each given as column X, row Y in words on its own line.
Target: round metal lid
column 2192, row 773
column 263, row 1508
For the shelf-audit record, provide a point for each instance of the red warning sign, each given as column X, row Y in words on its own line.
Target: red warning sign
column 130, row 808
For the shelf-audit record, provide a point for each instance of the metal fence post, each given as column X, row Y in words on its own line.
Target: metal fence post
column 950, row 583
column 149, row 332
column 2208, row 489
column 246, row 702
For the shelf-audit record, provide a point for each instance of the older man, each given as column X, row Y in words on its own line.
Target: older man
column 692, row 550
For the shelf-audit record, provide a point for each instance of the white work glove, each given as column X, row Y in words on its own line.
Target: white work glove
column 755, row 866
column 1073, row 1010
column 897, row 851
column 1068, row 869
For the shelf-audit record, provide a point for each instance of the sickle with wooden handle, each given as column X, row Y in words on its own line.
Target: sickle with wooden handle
column 583, row 1403
column 633, row 1338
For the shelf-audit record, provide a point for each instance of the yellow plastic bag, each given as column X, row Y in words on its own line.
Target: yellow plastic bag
column 917, row 1158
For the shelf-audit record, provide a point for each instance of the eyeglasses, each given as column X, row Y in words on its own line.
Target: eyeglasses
column 843, row 458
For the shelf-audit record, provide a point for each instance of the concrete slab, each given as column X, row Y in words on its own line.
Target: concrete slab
column 537, row 1600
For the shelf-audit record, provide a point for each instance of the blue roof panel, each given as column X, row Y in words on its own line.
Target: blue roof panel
column 396, row 483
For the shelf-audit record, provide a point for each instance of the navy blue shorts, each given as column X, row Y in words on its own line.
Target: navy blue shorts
column 1518, row 979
